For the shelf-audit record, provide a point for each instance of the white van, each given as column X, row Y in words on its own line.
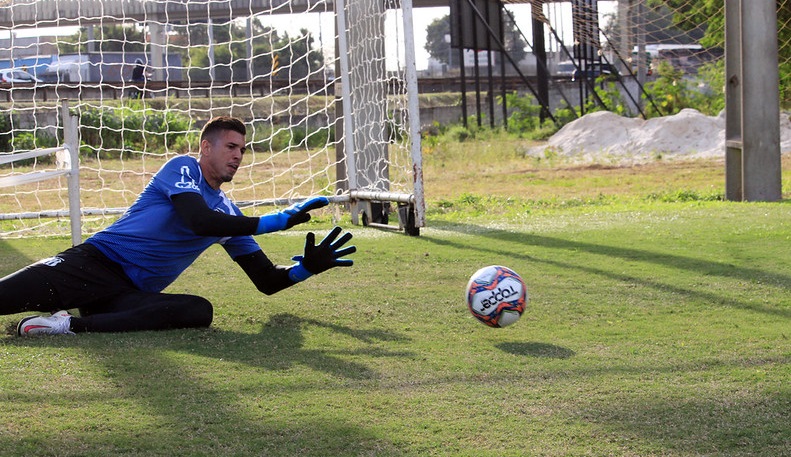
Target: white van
column 16, row 75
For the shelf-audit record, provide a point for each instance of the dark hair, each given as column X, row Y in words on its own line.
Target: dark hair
column 221, row 123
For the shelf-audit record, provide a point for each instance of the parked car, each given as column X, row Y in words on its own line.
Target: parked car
column 595, row 70
column 565, row 69
column 15, row 75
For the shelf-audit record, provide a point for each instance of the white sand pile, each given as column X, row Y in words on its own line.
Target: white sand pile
column 606, row 137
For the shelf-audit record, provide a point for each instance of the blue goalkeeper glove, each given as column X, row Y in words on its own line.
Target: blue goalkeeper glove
column 291, row 216
column 323, row 256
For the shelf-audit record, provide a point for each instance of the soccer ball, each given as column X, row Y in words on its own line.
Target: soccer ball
column 496, row 296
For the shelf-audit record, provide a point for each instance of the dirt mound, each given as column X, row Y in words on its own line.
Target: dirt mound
column 607, row 137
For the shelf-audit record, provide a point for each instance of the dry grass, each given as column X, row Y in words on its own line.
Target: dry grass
column 499, row 167
column 494, row 167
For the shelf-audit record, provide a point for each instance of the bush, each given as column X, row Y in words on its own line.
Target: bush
column 710, row 100
column 27, row 141
column 284, row 137
column 5, row 132
column 111, row 132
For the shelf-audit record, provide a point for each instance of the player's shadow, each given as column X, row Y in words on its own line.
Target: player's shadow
column 535, row 349
column 137, row 363
column 280, row 345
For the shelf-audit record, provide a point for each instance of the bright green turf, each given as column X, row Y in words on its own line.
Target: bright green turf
column 652, row 329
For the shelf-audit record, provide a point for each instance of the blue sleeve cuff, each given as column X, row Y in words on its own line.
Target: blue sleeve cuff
column 271, row 223
column 298, row 273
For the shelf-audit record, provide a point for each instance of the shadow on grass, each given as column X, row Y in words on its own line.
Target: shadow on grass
column 699, row 267
column 534, row 349
column 280, row 346
column 159, row 381
column 11, row 259
column 723, row 423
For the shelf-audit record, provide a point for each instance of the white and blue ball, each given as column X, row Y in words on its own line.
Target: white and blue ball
column 496, row 296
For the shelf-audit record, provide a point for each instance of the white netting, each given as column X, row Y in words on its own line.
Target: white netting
column 272, row 63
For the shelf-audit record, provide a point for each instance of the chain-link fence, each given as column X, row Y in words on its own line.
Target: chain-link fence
column 687, row 34
column 702, row 22
column 784, row 44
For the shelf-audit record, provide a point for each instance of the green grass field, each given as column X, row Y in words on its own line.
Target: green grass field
column 659, row 324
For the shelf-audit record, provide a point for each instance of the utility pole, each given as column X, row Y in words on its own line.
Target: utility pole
column 752, row 102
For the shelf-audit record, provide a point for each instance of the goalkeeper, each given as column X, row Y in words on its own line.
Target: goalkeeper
column 116, row 277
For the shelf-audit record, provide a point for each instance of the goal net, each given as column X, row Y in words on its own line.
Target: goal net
column 327, row 88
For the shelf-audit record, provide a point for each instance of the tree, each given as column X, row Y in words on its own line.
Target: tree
column 110, row 38
column 301, row 59
column 658, row 26
column 438, row 46
column 694, row 15
column 295, row 56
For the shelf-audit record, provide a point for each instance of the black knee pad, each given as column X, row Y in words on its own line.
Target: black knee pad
column 189, row 311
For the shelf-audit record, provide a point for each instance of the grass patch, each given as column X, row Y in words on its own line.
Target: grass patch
column 657, row 325
column 659, row 329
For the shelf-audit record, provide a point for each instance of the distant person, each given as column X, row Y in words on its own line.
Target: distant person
column 139, row 75
column 116, row 277
column 139, row 72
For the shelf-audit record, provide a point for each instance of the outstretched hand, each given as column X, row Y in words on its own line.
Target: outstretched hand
column 321, row 257
column 297, row 213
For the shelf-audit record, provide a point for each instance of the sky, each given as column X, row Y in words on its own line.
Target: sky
column 323, row 25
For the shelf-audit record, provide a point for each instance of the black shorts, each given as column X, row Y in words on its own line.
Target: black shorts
column 83, row 278
column 79, row 277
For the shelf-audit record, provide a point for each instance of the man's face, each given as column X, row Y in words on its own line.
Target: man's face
column 221, row 158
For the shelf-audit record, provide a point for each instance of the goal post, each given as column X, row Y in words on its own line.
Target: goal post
column 66, row 165
column 365, row 113
column 322, row 120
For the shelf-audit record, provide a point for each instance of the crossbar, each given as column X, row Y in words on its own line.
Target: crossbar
column 28, row 178
column 8, row 158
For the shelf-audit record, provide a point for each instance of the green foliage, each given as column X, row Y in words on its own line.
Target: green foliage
column 229, row 58
column 524, row 120
column 784, row 50
column 669, row 91
column 267, row 138
column 685, row 195
column 19, row 140
column 29, row 140
column 6, row 129
column 460, row 133
column 672, row 91
column 297, row 53
column 436, row 45
column 26, row 141
column 607, row 92
column 109, row 132
column 690, row 15
column 710, row 14
column 111, row 38
column 711, row 99
column 525, row 112
column 440, row 49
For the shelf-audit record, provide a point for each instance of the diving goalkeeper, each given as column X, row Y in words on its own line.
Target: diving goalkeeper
column 116, row 277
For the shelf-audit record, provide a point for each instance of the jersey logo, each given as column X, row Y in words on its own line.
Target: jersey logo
column 52, row 261
column 187, row 182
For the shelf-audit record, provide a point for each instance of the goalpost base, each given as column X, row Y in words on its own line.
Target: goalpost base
column 376, row 214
